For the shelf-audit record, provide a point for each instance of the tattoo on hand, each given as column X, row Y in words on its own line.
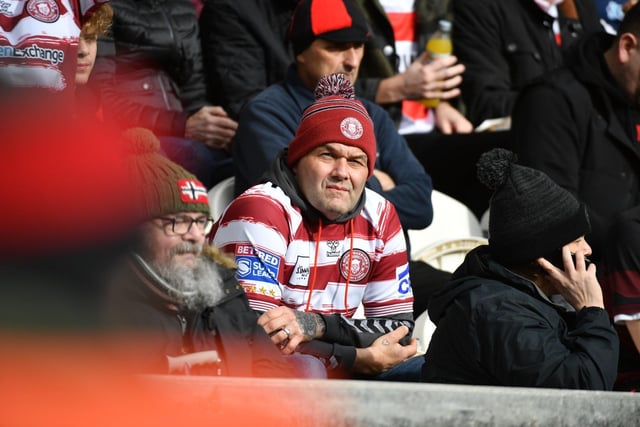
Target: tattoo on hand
column 311, row 324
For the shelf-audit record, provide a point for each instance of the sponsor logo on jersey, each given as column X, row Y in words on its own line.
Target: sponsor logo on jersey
column 9, row 8
column 43, row 10
column 52, row 56
column 355, row 267
column 301, row 270
column 351, row 128
column 404, row 281
column 256, row 265
column 333, row 248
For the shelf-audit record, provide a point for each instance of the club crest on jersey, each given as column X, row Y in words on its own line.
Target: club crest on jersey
column 192, row 191
column 43, row 10
column 333, row 248
column 360, row 265
column 351, row 128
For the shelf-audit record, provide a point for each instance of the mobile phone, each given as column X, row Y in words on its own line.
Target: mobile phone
column 556, row 259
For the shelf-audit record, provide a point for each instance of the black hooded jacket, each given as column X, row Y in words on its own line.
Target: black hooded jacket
column 496, row 328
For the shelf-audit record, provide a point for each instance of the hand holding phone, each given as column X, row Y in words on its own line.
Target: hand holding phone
column 556, row 259
column 579, row 286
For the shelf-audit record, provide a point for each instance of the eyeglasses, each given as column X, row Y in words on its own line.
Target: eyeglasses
column 182, row 225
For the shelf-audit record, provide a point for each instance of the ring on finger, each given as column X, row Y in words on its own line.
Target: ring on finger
column 287, row 331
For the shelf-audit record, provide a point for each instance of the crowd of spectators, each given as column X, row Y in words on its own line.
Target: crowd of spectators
column 317, row 109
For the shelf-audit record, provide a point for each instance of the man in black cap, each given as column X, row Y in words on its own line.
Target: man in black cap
column 510, row 317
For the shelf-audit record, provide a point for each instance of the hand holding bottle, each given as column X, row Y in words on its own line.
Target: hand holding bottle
column 433, row 79
column 438, row 47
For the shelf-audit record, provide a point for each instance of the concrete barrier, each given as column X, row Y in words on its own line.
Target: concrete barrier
column 370, row 403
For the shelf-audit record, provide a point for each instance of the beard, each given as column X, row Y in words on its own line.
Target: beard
column 196, row 287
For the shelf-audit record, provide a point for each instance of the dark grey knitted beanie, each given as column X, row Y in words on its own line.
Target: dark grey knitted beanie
column 529, row 214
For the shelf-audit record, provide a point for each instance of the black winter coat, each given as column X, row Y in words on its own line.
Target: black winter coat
column 245, row 48
column 576, row 126
column 504, row 44
column 137, row 304
column 149, row 70
column 496, row 328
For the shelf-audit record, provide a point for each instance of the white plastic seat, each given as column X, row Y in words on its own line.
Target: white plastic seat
column 220, row 195
column 422, row 331
column 448, row 254
column 452, row 220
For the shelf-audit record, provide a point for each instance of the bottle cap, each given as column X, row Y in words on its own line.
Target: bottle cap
column 444, row 25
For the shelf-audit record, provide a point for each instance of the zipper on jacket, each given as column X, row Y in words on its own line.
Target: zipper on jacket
column 186, row 345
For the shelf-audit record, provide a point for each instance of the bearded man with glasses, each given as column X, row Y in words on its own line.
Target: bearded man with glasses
column 175, row 294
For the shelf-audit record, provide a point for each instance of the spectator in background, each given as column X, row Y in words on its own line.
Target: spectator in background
column 312, row 244
column 398, row 73
column 52, row 29
column 326, row 41
column 97, row 25
column 506, row 44
column 149, row 73
column 246, row 48
column 177, row 295
column 87, row 101
column 500, row 321
column 580, row 125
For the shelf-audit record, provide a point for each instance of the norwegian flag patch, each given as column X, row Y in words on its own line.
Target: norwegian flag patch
column 192, row 191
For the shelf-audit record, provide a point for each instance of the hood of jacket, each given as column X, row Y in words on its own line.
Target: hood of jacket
column 280, row 175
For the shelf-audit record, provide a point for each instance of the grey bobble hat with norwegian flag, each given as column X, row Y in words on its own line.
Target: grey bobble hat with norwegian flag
column 165, row 187
column 530, row 216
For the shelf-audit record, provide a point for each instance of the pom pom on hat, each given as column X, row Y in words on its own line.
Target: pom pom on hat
column 336, row 116
column 335, row 84
column 164, row 186
column 530, row 216
column 494, row 167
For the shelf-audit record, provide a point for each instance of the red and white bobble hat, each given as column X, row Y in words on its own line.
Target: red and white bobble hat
column 336, row 116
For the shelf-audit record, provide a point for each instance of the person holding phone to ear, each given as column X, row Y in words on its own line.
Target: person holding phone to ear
column 511, row 317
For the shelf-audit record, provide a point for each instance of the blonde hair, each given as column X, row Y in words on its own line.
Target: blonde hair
column 98, row 23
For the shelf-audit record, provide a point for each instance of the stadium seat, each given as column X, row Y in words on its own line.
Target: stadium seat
column 220, row 195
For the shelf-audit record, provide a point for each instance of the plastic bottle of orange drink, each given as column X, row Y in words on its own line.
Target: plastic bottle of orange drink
column 439, row 46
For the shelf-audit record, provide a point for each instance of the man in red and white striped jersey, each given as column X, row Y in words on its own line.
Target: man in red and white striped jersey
column 312, row 244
